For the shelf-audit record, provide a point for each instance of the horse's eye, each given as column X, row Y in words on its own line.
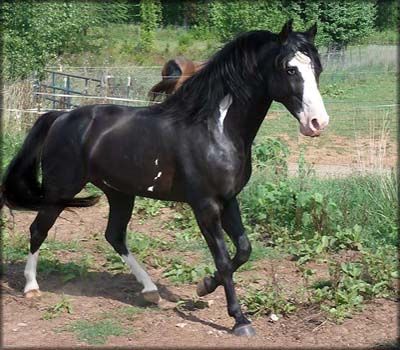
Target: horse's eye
column 291, row 71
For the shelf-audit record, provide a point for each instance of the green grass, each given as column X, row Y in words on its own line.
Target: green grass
column 96, row 332
column 352, row 102
column 367, row 200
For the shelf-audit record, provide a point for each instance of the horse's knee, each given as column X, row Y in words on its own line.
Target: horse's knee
column 243, row 250
column 224, row 266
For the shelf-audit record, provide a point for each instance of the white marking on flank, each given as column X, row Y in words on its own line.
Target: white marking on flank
column 223, row 110
column 30, row 272
column 140, row 274
column 313, row 106
column 158, row 175
column 151, row 188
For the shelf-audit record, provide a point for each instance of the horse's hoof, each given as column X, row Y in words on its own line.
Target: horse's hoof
column 201, row 289
column 33, row 293
column 245, row 330
column 151, row 296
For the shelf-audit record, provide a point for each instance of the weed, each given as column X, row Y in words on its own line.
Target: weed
column 96, row 333
column 68, row 271
column 146, row 207
column 15, row 246
column 351, row 283
column 267, row 300
column 63, row 306
column 180, row 272
column 332, row 90
column 273, row 153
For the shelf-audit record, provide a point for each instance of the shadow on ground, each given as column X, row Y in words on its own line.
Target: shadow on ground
column 121, row 287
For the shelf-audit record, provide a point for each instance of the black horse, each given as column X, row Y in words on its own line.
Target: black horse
column 195, row 147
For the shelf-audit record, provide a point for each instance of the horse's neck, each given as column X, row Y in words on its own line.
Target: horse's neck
column 245, row 122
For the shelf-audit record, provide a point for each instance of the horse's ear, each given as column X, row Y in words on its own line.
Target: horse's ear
column 310, row 34
column 286, row 30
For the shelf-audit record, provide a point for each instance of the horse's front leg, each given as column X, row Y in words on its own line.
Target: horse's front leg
column 232, row 224
column 208, row 216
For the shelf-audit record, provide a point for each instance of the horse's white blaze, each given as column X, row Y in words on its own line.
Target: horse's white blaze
column 140, row 274
column 151, row 188
column 223, row 110
column 158, row 175
column 30, row 272
column 313, row 106
column 156, row 162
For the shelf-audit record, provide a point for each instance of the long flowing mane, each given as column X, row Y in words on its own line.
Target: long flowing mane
column 232, row 70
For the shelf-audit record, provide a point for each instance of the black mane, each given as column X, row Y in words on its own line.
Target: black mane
column 201, row 94
column 232, row 70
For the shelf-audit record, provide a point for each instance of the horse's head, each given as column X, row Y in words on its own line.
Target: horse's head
column 295, row 68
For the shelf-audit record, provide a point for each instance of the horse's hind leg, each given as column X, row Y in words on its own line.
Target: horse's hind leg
column 61, row 180
column 121, row 207
column 39, row 229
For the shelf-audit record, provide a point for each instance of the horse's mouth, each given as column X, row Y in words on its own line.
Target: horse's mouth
column 306, row 131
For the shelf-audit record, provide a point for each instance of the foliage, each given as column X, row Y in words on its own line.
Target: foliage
column 180, row 272
column 323, row 207
column 96, row 333
column 69, row 271
column 267, row 300
column 35, row 32
column 351, row 283
column 150, row 13
column 63, row 306
column 146, row 207
column 272, row 153
column 339, row 23
column 10, row 144
column 346, row 21
column 229, row 18
column 387, row 14
column 15, row 246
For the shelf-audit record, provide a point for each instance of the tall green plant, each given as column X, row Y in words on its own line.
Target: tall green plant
column 150, row 14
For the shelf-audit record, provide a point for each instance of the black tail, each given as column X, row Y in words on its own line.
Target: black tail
column 21, row 188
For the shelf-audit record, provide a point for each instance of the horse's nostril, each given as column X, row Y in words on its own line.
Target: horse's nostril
column 315, row 124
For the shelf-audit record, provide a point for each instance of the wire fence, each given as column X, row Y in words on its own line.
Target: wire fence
column 362, row 132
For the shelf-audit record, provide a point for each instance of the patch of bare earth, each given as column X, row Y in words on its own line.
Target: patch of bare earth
column 104, row 294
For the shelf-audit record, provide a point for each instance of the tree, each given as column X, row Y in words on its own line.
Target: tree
column 35, row 32
column 346, row 21
column 150, row 14
column 387, row 14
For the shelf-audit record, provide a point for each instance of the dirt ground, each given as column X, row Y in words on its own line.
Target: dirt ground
column 105, row 294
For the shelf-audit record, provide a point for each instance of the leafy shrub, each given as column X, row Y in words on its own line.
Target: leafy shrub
column 273, row 153
column 267, row 300
column 351, row 283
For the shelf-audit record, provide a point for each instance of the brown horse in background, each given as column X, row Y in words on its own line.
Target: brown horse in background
column 173, row 74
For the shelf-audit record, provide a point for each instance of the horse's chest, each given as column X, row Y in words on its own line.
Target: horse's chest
column 225, row 165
